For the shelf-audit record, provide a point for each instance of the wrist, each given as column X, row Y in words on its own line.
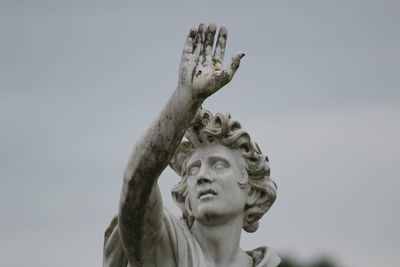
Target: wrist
column 185, row 93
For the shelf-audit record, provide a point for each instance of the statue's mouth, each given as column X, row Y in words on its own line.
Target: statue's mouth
column 206, row 192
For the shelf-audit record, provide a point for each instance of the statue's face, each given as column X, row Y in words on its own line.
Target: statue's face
column 213, row 190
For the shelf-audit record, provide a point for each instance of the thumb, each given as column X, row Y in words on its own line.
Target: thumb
column 224, row 76
column 234, row 65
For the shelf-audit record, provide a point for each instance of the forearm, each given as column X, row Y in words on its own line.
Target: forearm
column 155, row 148
column 140, row 215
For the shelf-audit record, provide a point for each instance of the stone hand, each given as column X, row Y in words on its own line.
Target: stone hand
column 201, row 68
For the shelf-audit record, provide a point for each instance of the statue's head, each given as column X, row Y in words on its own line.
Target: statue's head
column 218, row 147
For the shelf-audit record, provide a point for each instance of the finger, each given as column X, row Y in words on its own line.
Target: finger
column 235, row 63
column 220, row 46
column 189, row 43
column 200, row 37
column 209, row 42
column 224, row 76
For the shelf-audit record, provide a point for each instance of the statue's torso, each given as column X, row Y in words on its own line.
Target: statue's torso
column 179, row 249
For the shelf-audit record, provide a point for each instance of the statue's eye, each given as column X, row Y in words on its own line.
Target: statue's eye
column 194, row 170
column 219, row 165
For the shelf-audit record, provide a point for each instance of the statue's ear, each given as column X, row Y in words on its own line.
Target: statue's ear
column 181, row 154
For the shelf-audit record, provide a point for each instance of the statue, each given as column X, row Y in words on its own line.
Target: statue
column 225, row 183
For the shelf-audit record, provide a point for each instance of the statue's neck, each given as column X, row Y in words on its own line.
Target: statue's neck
column 221, row 242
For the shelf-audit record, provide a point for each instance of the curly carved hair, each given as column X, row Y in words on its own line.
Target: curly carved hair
column 205, row 129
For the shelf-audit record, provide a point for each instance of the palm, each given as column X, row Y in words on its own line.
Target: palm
column 201, row 67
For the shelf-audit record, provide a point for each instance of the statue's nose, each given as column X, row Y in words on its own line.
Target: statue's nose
column 204, row 176
column 203, row 180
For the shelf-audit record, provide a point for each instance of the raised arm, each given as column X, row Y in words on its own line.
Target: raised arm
column 201, row 74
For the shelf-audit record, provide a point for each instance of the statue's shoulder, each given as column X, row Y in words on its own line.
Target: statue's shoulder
column 264, row 257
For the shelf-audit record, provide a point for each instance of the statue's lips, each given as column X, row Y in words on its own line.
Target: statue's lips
column 206, row 192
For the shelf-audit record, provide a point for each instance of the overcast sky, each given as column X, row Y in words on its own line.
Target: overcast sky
column 318, row 90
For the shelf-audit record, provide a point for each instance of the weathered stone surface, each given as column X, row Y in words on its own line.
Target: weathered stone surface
column 225, row 185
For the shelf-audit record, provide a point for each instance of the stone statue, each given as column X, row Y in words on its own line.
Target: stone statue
column 225, row 183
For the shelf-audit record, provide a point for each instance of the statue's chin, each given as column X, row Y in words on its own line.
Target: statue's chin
column 211, row 215
column 208, row 214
